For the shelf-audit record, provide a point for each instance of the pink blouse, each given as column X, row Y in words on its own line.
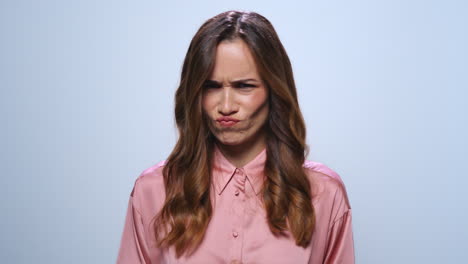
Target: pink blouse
column 238, row 231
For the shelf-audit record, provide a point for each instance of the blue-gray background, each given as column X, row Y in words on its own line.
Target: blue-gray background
column 87, row 99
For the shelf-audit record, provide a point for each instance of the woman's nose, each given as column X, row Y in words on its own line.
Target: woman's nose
column 227, row 104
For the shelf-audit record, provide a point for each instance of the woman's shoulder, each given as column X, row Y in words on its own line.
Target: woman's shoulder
column 148, row 190
column 326, row 185
column 152, row 176
column 320, row 173
column 321, row 170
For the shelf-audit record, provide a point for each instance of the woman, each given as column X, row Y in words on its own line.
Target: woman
column 237, row 188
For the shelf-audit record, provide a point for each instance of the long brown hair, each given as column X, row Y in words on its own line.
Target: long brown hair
column 286, row 194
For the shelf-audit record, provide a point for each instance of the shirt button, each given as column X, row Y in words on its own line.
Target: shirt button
column 236, row 193
column 235, row 234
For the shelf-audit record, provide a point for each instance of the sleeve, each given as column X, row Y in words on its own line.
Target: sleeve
column 340, row 248
column 133, row 244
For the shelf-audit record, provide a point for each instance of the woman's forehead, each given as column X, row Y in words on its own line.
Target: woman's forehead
column 234, row 61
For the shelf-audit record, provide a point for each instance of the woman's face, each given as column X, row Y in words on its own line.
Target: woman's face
column 234, row 97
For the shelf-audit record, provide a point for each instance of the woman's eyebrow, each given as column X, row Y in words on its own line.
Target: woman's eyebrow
column 235, row 81
column 245, row 80
column 212, row 81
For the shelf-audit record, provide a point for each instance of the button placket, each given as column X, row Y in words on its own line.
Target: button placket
column 239, row 182
column 239, row 211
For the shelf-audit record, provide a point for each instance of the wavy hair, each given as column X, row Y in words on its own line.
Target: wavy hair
column 286, row 192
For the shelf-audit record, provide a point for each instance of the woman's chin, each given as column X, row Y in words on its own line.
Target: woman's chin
column 228, row 142
column 236, row 139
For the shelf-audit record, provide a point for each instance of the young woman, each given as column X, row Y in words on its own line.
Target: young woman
column 237, row 188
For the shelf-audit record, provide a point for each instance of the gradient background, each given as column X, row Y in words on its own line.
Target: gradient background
column 87, row 99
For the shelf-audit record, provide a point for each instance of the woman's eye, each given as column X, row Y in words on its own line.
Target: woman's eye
column 245, row 85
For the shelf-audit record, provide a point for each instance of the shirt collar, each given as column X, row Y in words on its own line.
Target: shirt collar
column 223, row 171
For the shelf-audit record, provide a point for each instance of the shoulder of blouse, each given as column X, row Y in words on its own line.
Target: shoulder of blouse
column 149, row 184
column 327, row 187
column 321, row 168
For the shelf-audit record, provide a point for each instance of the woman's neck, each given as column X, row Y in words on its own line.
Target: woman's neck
column 240, row 155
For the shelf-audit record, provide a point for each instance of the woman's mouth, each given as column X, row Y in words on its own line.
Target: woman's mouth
column 227, row 121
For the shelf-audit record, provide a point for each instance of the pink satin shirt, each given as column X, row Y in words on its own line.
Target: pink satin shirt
column 238, row 231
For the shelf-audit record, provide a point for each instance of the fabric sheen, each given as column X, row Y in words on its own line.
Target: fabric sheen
column 238, row 231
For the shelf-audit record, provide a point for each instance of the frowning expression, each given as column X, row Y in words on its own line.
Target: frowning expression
column 234, row 98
